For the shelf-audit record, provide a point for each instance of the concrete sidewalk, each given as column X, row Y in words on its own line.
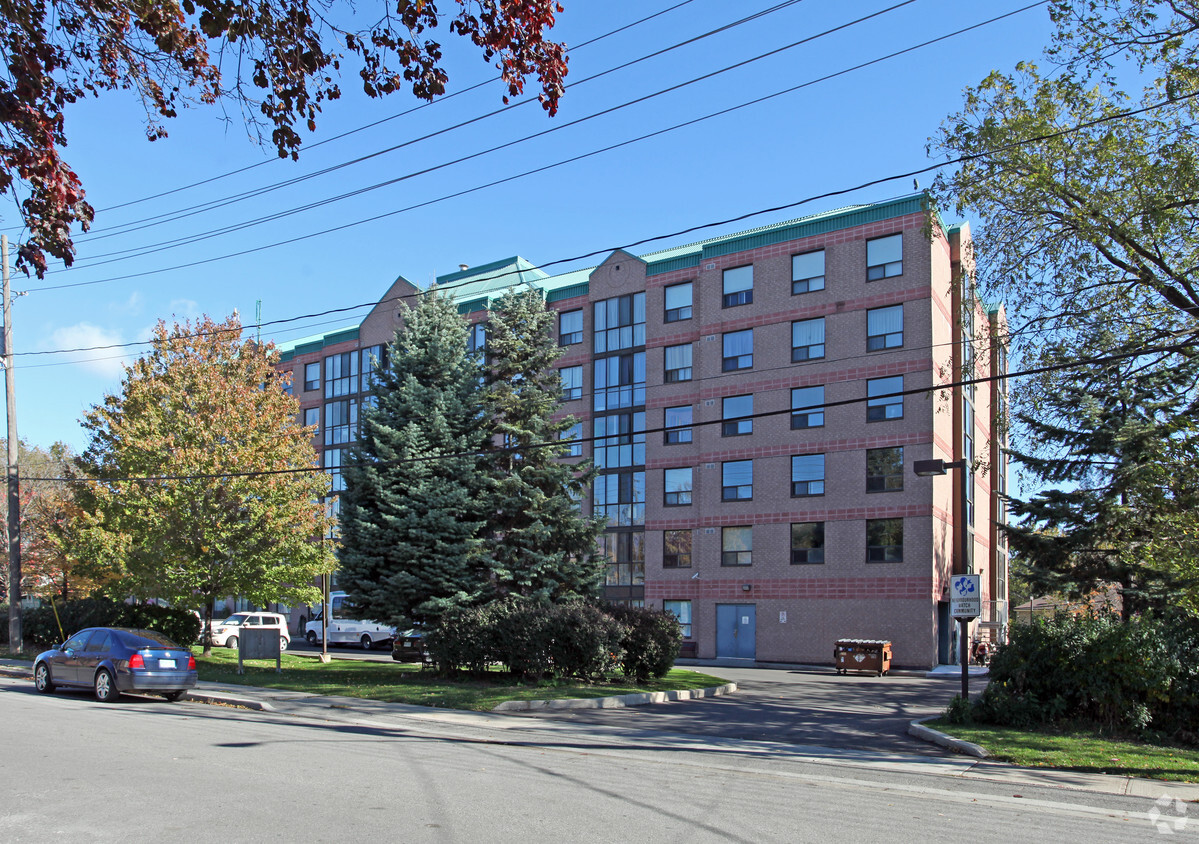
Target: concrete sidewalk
column 393, row 715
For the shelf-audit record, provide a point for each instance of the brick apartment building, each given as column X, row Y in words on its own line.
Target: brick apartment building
column 741, row 397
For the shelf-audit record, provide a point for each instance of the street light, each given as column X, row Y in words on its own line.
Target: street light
column 929, row 469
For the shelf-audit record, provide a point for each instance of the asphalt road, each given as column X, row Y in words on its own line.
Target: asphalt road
column 146, row 769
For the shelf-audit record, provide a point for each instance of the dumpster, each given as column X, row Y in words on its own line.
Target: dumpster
column 862, row 655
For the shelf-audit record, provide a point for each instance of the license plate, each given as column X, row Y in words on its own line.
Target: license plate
column 166, row 663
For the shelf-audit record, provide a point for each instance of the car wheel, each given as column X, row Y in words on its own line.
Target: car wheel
column 174, row 696
column 41, row 678
column 105, row 686
column 367, row 644
column 312, row 637
column 231, row 643
column 282, row 643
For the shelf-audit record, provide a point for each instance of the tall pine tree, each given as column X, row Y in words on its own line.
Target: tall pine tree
column 542, row 546
column 411, row 511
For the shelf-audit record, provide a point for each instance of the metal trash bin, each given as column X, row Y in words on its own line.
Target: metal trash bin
column 862, row 655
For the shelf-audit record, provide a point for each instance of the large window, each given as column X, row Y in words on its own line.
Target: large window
column 341, row 375
column 312, row 416
column 807, row 543
column 807, row 409
column 737, row 480
column 678, row 487
column 333, row 463
column 678, row 363
column 620, row 498
column 682, row 611
column 884, row 257
column 572, row 382
column 341, row 421
column 884, row 540
column 807, row 272
column 574, row 435
column 312, row 376
column 625, row 551
column 570, row 327
column 619, row 440
column 807, row 340
column 738, row 286
column 374, row 359
column 678, row 302
column 884, row 469
column 676, row 549
column 738, row 350
column 619, row 381
column 737, row 546
column 737, row 414
column 807, row 475
column 678, row 425
column 882, row 403
column 884, row 328
column 620, row 323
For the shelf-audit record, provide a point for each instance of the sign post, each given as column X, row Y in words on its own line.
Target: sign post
column 965, row 604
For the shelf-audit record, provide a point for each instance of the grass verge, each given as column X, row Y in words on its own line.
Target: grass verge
column 406, row 683
column 1080, row 750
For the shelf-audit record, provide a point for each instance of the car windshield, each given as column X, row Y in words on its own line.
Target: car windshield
column 234, row 620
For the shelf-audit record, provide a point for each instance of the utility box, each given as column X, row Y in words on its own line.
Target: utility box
column 259, row 643
column 862, row 655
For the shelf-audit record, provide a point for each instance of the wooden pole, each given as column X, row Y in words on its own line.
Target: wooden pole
column 16, row 642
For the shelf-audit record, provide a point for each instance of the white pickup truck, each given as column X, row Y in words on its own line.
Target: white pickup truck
column 344, row 630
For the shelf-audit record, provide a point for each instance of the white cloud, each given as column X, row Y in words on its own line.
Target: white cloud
column 108, row 363
column 184, row 309
column 131, row 306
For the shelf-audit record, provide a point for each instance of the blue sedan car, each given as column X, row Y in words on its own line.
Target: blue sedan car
column 111, row 660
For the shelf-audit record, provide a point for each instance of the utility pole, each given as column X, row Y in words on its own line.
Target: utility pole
column 16, row 643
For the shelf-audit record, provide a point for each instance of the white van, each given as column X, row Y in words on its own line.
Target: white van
column 344, row 630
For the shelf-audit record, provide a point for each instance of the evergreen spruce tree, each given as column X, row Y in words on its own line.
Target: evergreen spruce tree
column 1123, row 449
column 410, row 513
column 541, row 545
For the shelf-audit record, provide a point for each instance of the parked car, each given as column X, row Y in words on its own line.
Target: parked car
column 224, row 633
column 112, row 660
column 346, row 630
column 408, row 647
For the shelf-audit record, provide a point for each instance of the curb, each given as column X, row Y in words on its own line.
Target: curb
column 967, row 748
column 217, row 697
column 614, row 702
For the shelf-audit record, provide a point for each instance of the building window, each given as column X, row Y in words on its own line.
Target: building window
column 807, row 475
column 341, row 421
column 312, row 417
column 374, row 359
column 737, row 413
column 676, row 549
column 882, row 403
column 807, row 543
column 738, row 286
column 332, row 461
column 570, row 327
column 678, row 363
column 625, row 551
column 572, row 382
column 884, row 328
column 682, row 611
column 312, row 376
column 620, row 323
column 619, row 381
column 807, row 272
column 884, row 540
column 476, row 340
column 573, row 434
column 884, row 469
column 738, row 350
column 677, row 486
column 737, row 480
column 341, row 375
column 968, row 454
column 620, row 498
column 619, row 440
column 884, row 257
column 678, row 425
column 678, row 302
column 807, row 340
column 807, row 409
column 736, row 546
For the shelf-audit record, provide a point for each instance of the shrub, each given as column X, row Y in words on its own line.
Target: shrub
column 40, row 626
column 584, row 641
column 651, row 643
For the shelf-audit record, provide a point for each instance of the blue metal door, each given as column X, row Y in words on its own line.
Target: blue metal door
column 735, row 631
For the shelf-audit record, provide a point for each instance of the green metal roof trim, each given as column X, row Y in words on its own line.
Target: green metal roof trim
column 473, row 305
column 479, row 282
column 567, row 293
column 314, row 343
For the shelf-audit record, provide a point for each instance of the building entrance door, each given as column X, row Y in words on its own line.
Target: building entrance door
column 735, row 631
column 946, row 635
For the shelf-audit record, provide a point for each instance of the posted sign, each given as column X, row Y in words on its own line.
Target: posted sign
column 965, row 596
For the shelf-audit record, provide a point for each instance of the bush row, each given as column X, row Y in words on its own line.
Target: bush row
column 40, row 627
column 571, row 640
column 1125, row 677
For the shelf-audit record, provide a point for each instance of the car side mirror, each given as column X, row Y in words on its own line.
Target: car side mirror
column 68, row 651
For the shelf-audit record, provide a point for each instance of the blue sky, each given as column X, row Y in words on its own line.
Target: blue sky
column 826, row 136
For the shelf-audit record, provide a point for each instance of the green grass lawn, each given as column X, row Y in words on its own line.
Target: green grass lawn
column 1078, row 750
column 406, row 683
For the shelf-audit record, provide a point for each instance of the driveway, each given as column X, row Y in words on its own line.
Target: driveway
column 797, row 706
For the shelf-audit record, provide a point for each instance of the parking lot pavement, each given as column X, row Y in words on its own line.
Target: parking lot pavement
column 805, row 706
